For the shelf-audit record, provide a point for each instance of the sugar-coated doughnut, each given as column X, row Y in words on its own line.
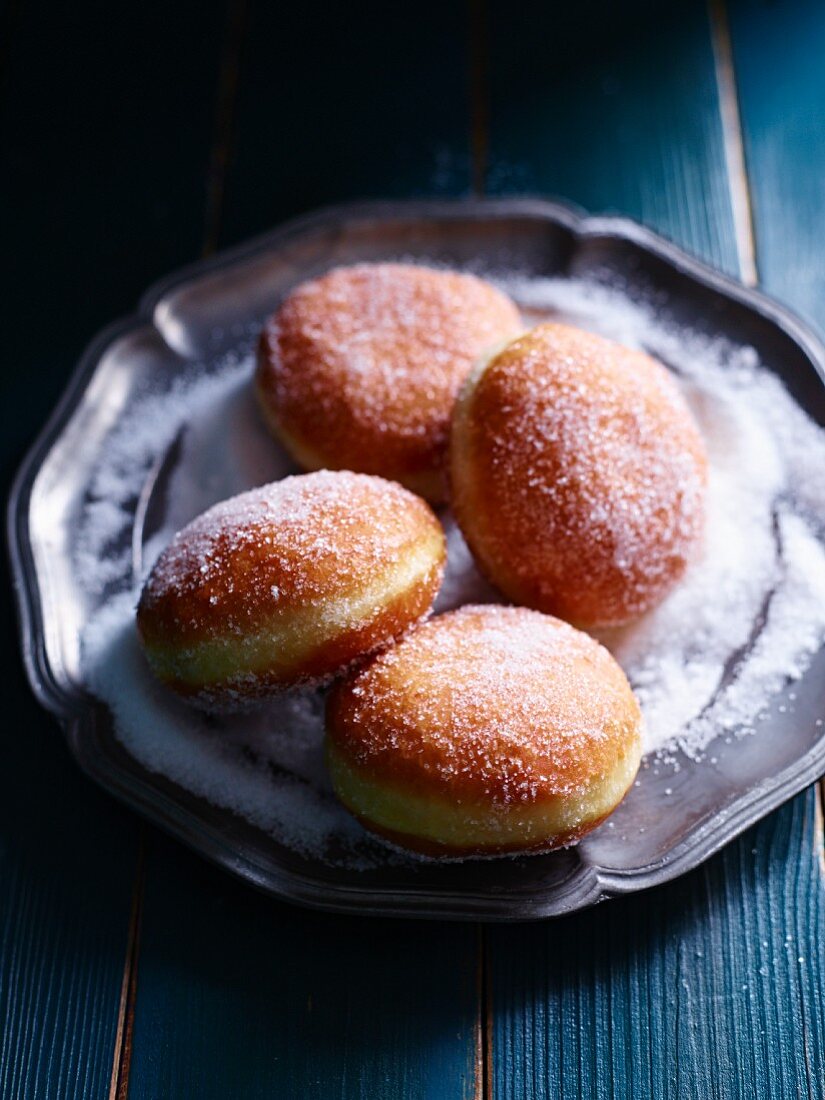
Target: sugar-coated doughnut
column 287, row 584
column 486, row 730
column 578, row 475
column 359, row 369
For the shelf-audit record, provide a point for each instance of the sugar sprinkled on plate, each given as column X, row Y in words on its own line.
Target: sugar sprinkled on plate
column 750, row 612
column 746, row 619
column 276, row 780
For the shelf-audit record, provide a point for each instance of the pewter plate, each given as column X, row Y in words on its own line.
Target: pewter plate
column 197, row 315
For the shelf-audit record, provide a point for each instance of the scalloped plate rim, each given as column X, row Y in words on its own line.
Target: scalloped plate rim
column 588, row 883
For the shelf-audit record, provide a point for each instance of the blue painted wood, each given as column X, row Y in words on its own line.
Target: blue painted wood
column 712, row 985
column 778, row 51
column 241, row 996
column 106, row 119
column 66, row 865
column 614, row 107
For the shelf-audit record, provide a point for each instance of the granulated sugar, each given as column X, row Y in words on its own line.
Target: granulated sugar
column 103, row 550
column 266, row 766
column 745, row 620
column 751, row 610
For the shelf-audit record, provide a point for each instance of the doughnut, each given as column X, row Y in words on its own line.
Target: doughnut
column 287, row 584
column 359, row 369
column 486, row 730
column 578, row 475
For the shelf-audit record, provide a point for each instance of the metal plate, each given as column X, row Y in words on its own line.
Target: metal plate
column 197, row 314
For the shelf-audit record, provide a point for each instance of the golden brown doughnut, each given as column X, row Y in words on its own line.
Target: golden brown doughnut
column 486, row 730
column 578, row 475
column 287, row 584
column 359, row 369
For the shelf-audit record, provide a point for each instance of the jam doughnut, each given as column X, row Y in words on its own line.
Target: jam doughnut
column 578, row 475
column 360, row 369
column 487, row 730
column 287, row 584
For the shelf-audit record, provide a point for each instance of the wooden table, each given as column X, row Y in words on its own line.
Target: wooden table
column 137, row 137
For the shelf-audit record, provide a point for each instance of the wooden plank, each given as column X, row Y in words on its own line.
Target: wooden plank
column 710, row 986
column 237, row 995
column 66, row 864
column 613, row 107
column 778, row 52
column 713, row 984
column 106, row 125
column 241, row 996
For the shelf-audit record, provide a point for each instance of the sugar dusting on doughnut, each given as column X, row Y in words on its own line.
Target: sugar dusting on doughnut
column 299, row 539
column 515, row 705
column 578, row 475
column 488, row 710
column 359, row 369
column 289, row 582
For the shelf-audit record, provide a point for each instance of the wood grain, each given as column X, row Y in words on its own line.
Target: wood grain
column 711, row 986
column 614, row 107
column 241, row 996
column 738, row 185
column 122, row 1054
column 107, row 123
column 778, row 52
column 105, row 118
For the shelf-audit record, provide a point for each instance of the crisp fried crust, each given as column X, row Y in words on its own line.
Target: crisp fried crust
column 359, row 369
column 578, row 475
column 289, row 583
column 489, row 729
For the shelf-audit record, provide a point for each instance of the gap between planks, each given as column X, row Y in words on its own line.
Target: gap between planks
column 733, row 142
column 483, row 1082
column 119, row 1081
column 742, row 209
column 479, row 139
column 227, row 95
